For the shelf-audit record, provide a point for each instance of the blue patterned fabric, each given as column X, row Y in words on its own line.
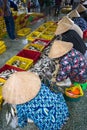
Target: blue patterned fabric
column 48, row 110
column 81, row 22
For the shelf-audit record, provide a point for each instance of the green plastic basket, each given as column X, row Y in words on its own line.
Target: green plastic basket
column 83, row 85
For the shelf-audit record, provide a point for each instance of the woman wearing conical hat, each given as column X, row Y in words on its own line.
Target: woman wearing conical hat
column 71, row 32
column 72, row 64
column 35, row 101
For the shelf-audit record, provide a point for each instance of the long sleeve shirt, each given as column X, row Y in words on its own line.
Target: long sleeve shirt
column 74, row 66
column 48, row 110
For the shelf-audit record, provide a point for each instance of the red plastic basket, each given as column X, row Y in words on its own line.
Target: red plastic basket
column 46, row 42
column 85, row 34
column 8, row 67
column 34, row 55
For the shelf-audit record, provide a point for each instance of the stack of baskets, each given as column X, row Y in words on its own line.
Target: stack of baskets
column 2, row 47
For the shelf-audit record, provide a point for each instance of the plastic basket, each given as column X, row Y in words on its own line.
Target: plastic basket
column 32, row 36
column 51, row 29
column 34, row 55
column 1, row 43
column 46, row 37
column 24, row 32
column 35, row 47
column 40, row 29
column 3, row 50
column 85, row 34
column 6, row 68
column 23, row 63
column 2, row 81
column 47, row 32
column 1, row 98
column 83, row 85
column 71, row 93
column 42, row 42
column 71, row 99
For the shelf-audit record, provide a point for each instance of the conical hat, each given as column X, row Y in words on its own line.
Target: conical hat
column 73, row 13
column 59, row 48
column 21, row 87
column 78, row 30
column 80, row 8
column 63, row 25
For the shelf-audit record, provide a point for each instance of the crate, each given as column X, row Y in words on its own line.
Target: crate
column 2, row 81
column 40, row 29
column 8, row 68
column 31, row 37
column 46, row 37
column 73, row 96
column 36, row 47
column 3, row 50
column 34, row 55
column 41, row 42
column 1, row 98
column 50, row 22
column 47, row 24
column 1, row 43
column 23, row 32
column 36, row 32
column 52, row 29
column 20, row 62
column 85, row 34
column 48, row 33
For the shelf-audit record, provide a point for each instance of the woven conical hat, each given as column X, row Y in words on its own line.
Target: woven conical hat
column 80, row 8
column 73, row 13
column 78, row 30
column 21, row 87
column 59, row 48
column 63, row 25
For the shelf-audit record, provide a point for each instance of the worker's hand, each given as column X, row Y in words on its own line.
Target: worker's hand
column 56, row 71
column 53, row 79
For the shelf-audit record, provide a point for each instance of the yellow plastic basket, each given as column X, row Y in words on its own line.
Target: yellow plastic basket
column 32, row 36
column 24, row 32
column 69, row 92
column 2, row 51
column 51, row 29
column 36, row 33
column 1, row 43
column 46, row 37
column 25, row 63
column 2, row 81
column 1, row 99
column 37, row 47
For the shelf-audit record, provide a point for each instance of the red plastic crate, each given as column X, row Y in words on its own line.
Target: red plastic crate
column 85, row 34
column 46, row 42
column 30, row 54
column 8, row 67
